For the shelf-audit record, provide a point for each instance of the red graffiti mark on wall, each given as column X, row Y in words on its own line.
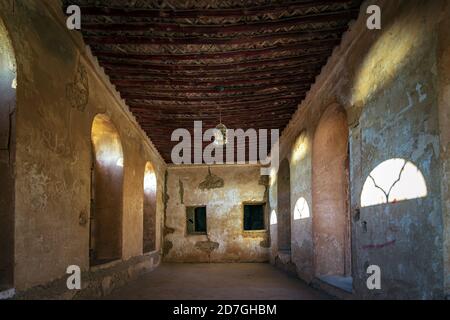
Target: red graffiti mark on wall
column 379, row 246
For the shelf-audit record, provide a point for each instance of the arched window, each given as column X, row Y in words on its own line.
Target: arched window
column 392, row 181
column 301, row 209
column 8, row 85
column 107, row 185
column 273, row 218
column 284, row 206
column 149, row 223
column 331, row 223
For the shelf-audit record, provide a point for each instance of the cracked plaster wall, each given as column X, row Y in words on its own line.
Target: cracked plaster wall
column 392, row 84
column 53, row 157
column 222, row 192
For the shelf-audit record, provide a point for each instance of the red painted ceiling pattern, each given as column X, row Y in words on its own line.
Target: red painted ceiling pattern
column 179, row 61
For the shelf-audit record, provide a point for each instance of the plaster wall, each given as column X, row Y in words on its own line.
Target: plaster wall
column 301, row 187
column 330, row 193
column 7, row 153
column 388, row 82
column 60, row 89
column 284, row 217
column 223, row 192
column 444, row 128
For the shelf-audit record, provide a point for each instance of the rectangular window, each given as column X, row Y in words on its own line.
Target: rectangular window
column 254, row 217
column 196, row 220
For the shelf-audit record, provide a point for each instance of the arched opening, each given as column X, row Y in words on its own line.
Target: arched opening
column 301, row 209
column 106, row 192
column 8, row 84
column 284, row 207
column 273, row 218
column 331, row 224
column 392, row 181
column 149, row 223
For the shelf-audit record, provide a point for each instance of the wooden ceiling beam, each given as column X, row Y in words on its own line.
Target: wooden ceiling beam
column 196, row 13
column 150, row 106
column 268, row 105
column 238, row 40
column 211, row 88
column 234, row 98
column 263, row 111
column 211, row 123
column 311, row 58
column 212, row 93
column 202, row 83
column 344, row 15
column 260, row 124
column 306, row 45
column 262, row 73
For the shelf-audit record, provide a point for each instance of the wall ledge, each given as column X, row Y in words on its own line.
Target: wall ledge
column 97, row 282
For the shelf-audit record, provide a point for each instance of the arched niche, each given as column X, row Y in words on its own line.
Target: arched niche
column 8, row 87
column 149, row 219
column 284, row 206
column 331, row 224
column 107, row 190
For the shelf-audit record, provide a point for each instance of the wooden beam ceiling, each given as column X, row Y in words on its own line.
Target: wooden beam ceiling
column 195, row 60
column 210, row 12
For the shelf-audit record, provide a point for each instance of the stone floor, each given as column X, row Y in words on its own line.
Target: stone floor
column 222, row 281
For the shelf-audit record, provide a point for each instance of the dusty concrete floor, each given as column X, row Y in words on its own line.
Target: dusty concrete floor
column 221, row 281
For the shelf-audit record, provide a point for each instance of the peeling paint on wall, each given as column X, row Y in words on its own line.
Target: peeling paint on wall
column 181, row 191
column 77, row 92
column 168, row 245
column 225, row 241
column 207, row 246
column 211, row 181
column 388, row 85
column 56, row 78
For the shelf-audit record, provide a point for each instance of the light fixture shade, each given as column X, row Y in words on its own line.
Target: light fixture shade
column 220, row 135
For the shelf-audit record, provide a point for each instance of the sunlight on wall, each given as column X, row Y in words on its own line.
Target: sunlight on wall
column 106, row 142
column 7, row 62
column 273, row 218
column 392, row 181
column 273, row 176
column 300, row 148
column 301, row 209
column 387, row 56
column 105, row 241
column 149, row 178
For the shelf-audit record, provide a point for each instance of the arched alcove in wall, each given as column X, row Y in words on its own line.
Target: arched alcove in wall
column 284, row 206
column 331, row 225
column 149, row 223
column 8, row 85
column 106, row 192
